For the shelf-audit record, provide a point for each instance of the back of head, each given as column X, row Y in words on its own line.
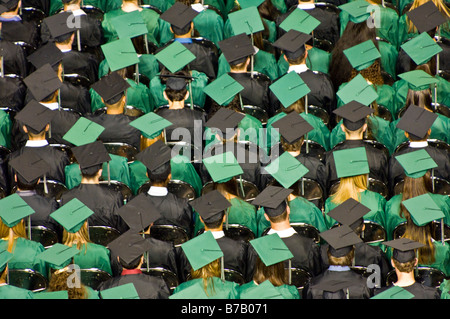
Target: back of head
column 160, row 176
column 64, row 280
column 349, row 187
column 421, row 234
column 274, row 273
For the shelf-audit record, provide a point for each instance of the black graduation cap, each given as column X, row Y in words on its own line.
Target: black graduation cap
column 35, row 115
column 91, row 154
column 237, row 48
column 129, row 246
column 417, row 121
column 341, row 240
column 273, row 199
column 176, row 83
column 292, row 127
column 9, row 4
column 58, row 24
column 43, row 82
column 333, row 289
column 30, row 166
column 48, row 53
column 210, row 205
column 111, row 87
column 354, row 114
column 404, row 249
column 225, row 119
column 350, row 213
column 155, row 156
column 179, row 15
column 139, row 213
column 293, row 43
column 426, row 17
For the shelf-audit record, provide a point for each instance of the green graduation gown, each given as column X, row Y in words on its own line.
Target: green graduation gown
column 104, row 5
column 94, row 256
column 404, row 35
column 271, row 25
column 445, row 289
column 287, row 291
column 222, row 289
column 12, row 292
column 5, row 129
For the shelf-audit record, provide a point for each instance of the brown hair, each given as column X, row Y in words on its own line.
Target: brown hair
column 422, row 234
column 291, row 147
column 404, row 267
column 297, row 107
column 274, row 273
column 413, row 187
column 59, row 280
column 346, row 260
column 207, row 273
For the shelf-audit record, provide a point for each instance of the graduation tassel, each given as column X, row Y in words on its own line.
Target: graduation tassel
column 78, row 40
column 146, row 43
column 242, row 187
column 306, row 111
column 136, row 79
column 2, row 66
column 109, row 174
column 222, row 269
column 226, row 223
column 190, row 94
column 290, row 272
column 240, row 101
column 442, row 232
column 45, row 185
column 432, row 181
column 29, row 226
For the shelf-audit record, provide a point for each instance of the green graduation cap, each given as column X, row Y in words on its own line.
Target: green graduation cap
column 5, row 256
column 83, row 132
column 351, row 162
column 223, row 89
column 202, row 250
column 357, row 10
column 250, row 3
column 358, row 90
column 416, row 163
column 421, row 48
column 423, row 209
column 265, row 290
column 195, row 291
column 151, row 124
column 175, row 56
column 246, row 21
column 63, row 294
column 363, row 55
column 286, row 169
column 72, row 215
column 58, row 256
column 301, row 21
column 271, row 249
column 222, row 167
column 418, row 80
column 289, row 88
column 126, row 291
column 130, row 25
column 13, row 209
column 120, row 54
column 394, row 292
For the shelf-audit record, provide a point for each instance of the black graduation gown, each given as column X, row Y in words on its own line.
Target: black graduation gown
column 44, row 5
column 12, row 93
column 102, row 201
column 418, row 290
column 117, row 129
column 378, row 161
column 147, row 287
column 441, row 157
column 61, row 123
column 357, row 289
column 322, row 90
column 81, row 63
column 14, row 60
column 22, row 31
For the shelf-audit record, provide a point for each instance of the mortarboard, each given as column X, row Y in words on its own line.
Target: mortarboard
column 111, row 87
column 292, row 127
column 202, row 250
column 151, row 125
column 125, row 291
column 394, row 292
column 301, row 21
column 139, row 213
column 30, row 166
column 417, row 121
column 421, row 48
column 358, row 90
column 176, row 83
column 354, row 114
column 120, row 54
column 43, row 82
column 292, row 43
column 271, row 249
column 179, row 15
column 416, row 163
column 72, row 215
column 363, row 55
column 273, row 199
column 246, row 21
column 155, row 156
column 3, row 9
column 225, row 120
column 341, row 240
column 334, row 287
column 63, row 294
column 209, row 205
column 423, row 209
column 83, row 132
column 357, row 10
column 191, row 292
column 426, row 17
column 222, row 167
column 129, row 246
column 265, row 290
column 48, row 53
column 58, row 24
column 250, row 3
column 403, row 249
column 175, row 56
column 14, row 209
column 350, row 213
column 223, row 89
column 35, row 115
column 91, row 154
column 351, row 162
column 237, row 48
column 289, row 88
column 58, row 256
column 9, row 4
column 286, row 169
column 418, row 80
column 5, row 256
column 129, row 25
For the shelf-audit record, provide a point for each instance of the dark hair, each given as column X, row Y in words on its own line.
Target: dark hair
column 50, row 97
column 230, row 187
column 181, row 31
column 23, row 184
column 132, row 264
column 216, row 222
column 268, row 11
column 90, row 172
column 413, row 187
column 160, row 175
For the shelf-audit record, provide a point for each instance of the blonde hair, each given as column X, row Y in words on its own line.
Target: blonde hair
column 80, row 238
column 350, row 187
column 207, row 273
column 12, row 233
column 146, row 142
column 417, row 3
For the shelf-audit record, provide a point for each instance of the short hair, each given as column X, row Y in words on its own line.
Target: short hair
column 279, row 218
column 406, row 267
column 161, row 174
column 132, row 264
column 297, row 60
column 215, row 222
column 176, row 95
column 90, row 172
column 23, row 184
column 346, row 260
column 181, row 31
column 291, row 147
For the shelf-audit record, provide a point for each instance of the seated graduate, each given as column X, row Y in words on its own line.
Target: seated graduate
column 207, row 277
column 130, row 248
column 276, row 211
column 14, row 59
column 272, row 256
column 339, row 281
column 60, row 286
column 8, row 291
column 103, row 201
column 212, row 208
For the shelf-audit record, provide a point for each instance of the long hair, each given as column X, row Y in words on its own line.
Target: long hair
column 413, row 187
column 349, row 187
column 422, row 234
column 80, row 238
column 228, row 188
column 59, row 282
column 12, row 233
column 274, row 273
column 207, row 273
column 297, row 107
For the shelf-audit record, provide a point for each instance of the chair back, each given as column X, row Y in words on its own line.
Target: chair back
column 169, row 233
column 46, row 236
column 427, row 276
column 93, row 277
column 168, row 276
column 102, row 235
column 27, row 279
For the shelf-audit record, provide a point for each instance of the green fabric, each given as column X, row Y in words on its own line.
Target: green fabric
column 148, row 66
column 162, row 5
column 25, row 254
column 104, row 5
column 379, row 127
column 389, row 56
column 240, row 212
column 280, row 5
column 138, row 96
column 287, row 291
column 264, row 63
column 118, row 169
column 93, row 256
column 272, row 37
column 182, row 169
column 392, row 210
column 302, row 211
column 445, row 289
column 199, row 83
column 222, row 290
column 12, row 292
column 374, row 201
column 317, row 60
column 404, row 35
column 5, row 129
column 319, row 134
column 209, row 25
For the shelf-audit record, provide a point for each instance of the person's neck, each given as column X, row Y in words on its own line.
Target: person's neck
column 176, row 105
column 91, row 181
column 354, row 137
column 183, row 36
column 10, row 14
column 238, row 71
column 295, row 153
column 404, row 279
column 114, row 110
column 72, row 7
column 130, row 6
column 36, row 137
column 220, row 228
column 63, row 47
column 281, row 225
